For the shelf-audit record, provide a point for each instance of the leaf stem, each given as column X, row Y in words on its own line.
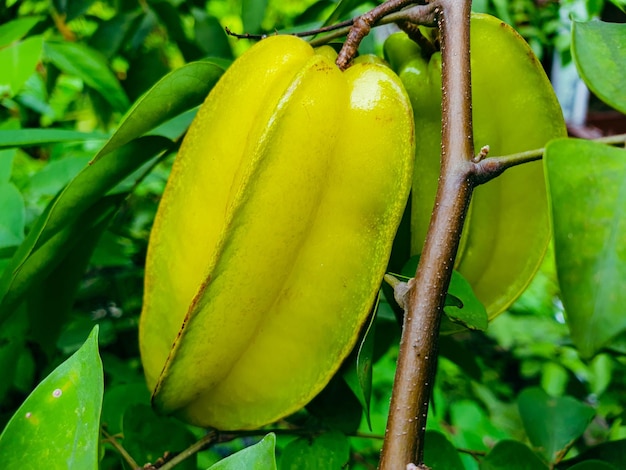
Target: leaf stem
column 193, row 449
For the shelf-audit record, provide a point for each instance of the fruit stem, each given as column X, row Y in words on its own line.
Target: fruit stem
column 404, row 438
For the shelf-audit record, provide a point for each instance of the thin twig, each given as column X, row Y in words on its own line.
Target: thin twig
column 193, row 449
column 119, row 448
column 487, row 169
column 344, row 25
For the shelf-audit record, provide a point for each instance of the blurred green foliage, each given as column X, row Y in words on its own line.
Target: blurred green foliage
column 78, row 66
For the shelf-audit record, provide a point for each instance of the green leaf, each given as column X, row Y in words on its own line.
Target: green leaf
column 587, row 187
column 90, row 66
column 512, row 455
column 18, row 63
column 252, row 14
column 343, row 8
column 6, row 164
column 12, row 215
column 440, row 454
column 17, row 29
column 259, row 456
column 28, row 137
column 330, row 451
column 59, row 422
column 472, row 314
column 599, row 53
column 55, row 231
column 552, row 423
column 177, row 92
column 210, row 35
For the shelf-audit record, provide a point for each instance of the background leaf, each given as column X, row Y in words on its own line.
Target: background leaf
column 16, row 29
column 89, row 65
column 329, row 451
column 552, row 423
column 252, row 14
column 512, row 455
column 598, row 49
column 59, row 421
column 587, row 187
column 439, row 453
column 18, row 63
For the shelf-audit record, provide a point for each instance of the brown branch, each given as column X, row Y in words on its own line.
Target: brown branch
column 404, row 438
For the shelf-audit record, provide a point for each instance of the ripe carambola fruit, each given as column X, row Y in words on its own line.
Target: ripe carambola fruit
column 273, row 234
column 514, row 109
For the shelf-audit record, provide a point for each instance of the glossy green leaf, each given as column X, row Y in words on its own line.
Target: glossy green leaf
column 27, row 137
column 470, row 313
column 59, row 422
column 177, row 92
column 587, row 186
column 54, row 232
column 440, row 454
column 11, row 216
column 330, row 451
column 552, row 423
column 17, row 29
column 259, row 456
column 252, row 14
column 599, row 52
column 89, row 65
column 18, row 63
column 512, row 455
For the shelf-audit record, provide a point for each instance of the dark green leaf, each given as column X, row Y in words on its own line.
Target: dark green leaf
column 28, row 137
column 587, row 188
column 18, row 63
column 59, row 422
column 613, row 452
column 54, row 233
column 552, row 423
column 177, row 92
column 598, row 49
column 260, row 456
column 593, row 465
column 72, row 8
column 146, row 441
column 341, row 11
column 337, row 407
column 440, row 454
column 111, row 35
column 12, row 342
column 117, row 399
column 50, row 300
column 330, row 451
column 90, row 66
column 17, row 29
column 210, row 35
column 512, row 455
column 11, row 215
column 252, row 14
